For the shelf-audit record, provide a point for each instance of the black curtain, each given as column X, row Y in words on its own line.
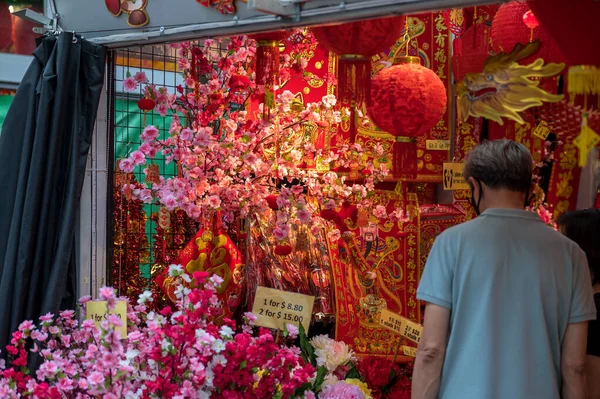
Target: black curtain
column 43, row 151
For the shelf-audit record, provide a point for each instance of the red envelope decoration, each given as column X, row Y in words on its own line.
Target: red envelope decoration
column 210, row 250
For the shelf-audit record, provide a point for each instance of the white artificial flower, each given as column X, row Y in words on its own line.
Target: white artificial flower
column 218, row 346
column 186, row 277
column 144, row 297
column 219, row 359
column 226, row 332
column 175, row 270
column 321, row 341
column 334, row 355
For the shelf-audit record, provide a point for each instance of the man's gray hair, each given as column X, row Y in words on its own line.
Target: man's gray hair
column 501, row 164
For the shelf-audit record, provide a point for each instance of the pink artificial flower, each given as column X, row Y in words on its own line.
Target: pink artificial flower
column 96, row 378
column 138, row 157
column 27, row 325
column 162, row 109
column 214, row 201
column 150, row 133
column 279, row 233
column 380, row 212
column 107, row 293
column 127, row 165
column 129, row 84
column 186, row 134
column 84, row 299
column 303, row 216
column 140, row 77
column 202, row 139
column 292, row 330
column 334, row 235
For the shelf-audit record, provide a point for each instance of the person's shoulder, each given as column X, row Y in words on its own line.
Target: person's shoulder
column 456, row 232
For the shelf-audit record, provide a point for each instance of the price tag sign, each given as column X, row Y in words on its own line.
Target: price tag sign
column 275, row 308
column 542, row 130
column 409, row 351
column 391, row 321
column 453, row 177
column 438, row 145
column 98, row 311
column 411, row 330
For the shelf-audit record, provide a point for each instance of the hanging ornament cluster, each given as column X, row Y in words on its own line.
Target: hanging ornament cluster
column 267, row 66
column 407, row 100
column 509, row 28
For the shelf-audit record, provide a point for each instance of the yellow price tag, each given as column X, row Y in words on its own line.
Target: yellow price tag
column 453, row 176
column 275, row 308
column 411, row 330
column 409, row 351
column 542, row 130
column 98, row 311
column 391, row 321
column 586, row 140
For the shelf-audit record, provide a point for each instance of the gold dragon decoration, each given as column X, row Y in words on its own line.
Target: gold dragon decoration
column 505, row 87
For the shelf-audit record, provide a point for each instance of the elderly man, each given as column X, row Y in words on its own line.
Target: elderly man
column 508, row 298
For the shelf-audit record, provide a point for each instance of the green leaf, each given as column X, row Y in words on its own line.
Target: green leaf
column 128, row 74
column 308, row 352
column 354, row 373
column 243, row 365
column 321, row 374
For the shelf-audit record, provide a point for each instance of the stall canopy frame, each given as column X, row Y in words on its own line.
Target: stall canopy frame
column 180, row 20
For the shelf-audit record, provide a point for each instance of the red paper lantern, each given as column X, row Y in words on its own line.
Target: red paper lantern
column 272, row 202
column 356, row 43
column 509, row 29
column 328, row 214
column 407, row 100
column 283, row 250
column 5, row 28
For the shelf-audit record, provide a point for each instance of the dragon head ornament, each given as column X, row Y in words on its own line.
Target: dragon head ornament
column 505, row 87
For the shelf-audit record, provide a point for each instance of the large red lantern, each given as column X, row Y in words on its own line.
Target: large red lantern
column 572, row 25
column 509, row 28
column 355, row 43
column 407, row 100
column 267, row 66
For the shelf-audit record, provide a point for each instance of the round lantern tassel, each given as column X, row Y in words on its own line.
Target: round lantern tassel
column 583, row 80
column 354, row 79
column 405, row 158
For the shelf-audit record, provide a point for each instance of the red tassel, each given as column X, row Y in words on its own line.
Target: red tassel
column 354, row 79
column 405, row 158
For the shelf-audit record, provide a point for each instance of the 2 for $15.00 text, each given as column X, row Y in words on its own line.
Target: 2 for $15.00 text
column 281, row 314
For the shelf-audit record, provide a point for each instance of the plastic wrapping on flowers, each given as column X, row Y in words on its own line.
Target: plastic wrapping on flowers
column 182, row 352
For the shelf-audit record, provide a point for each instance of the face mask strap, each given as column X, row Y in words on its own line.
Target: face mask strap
column 474, row 204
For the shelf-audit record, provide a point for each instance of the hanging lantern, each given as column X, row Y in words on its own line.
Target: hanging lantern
column 146, row 105
column 407, row 100
column 509, row 28
column 5, row 28
column 267, row 66
column 355, row 43
column 571, row 24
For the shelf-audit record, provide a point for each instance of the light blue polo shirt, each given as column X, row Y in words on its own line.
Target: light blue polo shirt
column 512, row 285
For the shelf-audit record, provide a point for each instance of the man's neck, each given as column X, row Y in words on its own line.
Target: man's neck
column 504, row 199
